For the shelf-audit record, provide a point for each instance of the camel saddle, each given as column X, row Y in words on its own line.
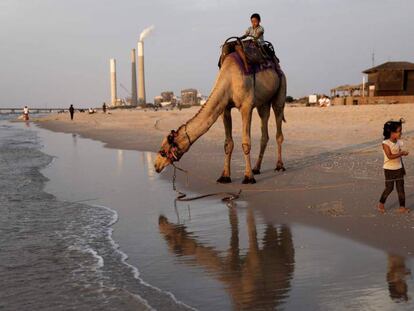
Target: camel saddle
column 260, row 56
column 256, row 53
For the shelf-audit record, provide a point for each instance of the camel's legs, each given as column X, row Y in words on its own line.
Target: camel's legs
column 228, row 146
column 246, row 113
column 279, row 138
column 264, row 113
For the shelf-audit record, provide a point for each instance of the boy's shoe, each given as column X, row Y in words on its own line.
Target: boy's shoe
column 381, row 208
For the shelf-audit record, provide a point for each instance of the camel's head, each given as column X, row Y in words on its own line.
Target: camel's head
column 170, row 151
column 163, row 159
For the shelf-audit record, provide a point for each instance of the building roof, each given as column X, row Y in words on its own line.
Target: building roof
column 391, row 66
column 189, row 91
column 347, row 87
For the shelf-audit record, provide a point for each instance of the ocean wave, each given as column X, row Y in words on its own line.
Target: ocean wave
column 60, row 255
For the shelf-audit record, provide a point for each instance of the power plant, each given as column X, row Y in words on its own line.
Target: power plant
column 141, row 75
column 136, row 97
column 134, row 101
column 141, row 71
column 113, row 81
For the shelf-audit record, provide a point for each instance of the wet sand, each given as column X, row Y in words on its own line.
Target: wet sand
column 216, row 257
column 333, row 159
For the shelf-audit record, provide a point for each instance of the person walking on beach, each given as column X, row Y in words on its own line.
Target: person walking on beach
column 394, row 170
column 26, row 113
column 71, row 111
column 104, row 107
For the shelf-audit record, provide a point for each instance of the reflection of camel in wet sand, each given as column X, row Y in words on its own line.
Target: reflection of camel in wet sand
column 396, row 275
column 259, row 279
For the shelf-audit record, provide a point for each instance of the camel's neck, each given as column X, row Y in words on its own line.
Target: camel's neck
column 207, row 115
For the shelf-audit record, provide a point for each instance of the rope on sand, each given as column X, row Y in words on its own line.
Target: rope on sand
column 232, row 196
column 182, row 197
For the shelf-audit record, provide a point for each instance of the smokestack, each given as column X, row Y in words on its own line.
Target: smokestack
column 113, row 81
column 141, row 71
column 141, row 75
column 133, row 79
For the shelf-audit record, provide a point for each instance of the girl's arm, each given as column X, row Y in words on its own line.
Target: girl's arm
column 391, row 155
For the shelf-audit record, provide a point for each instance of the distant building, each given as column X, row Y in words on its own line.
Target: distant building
column 312, row 99
column 167, row 96
column 391, row 79
column 157, row 101
column 189, row 97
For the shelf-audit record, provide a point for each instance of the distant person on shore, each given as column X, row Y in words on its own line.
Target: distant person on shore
column 324, row 101
column 104, row 107
column 71, row 111
column 321, row 101
column 26, row 113
column 394, row 170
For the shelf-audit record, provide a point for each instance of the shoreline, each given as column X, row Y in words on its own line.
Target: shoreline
column 321, row 187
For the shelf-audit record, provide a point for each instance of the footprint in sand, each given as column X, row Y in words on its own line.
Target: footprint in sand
column 332, row 209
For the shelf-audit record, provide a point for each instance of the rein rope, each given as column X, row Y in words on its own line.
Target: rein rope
column 227, row 197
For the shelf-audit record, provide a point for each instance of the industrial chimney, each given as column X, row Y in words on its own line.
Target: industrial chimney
column 113, row 81
column 141, row 86
column 133, row 79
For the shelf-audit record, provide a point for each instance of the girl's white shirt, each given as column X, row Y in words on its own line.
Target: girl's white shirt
column 392, row 164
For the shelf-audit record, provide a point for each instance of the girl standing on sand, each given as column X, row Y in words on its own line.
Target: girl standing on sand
column 393, row 166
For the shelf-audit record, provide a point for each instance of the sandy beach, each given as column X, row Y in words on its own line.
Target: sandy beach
column 333, row 158
column 208, row 255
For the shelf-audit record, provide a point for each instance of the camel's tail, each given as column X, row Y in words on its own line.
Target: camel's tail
column 278, row 103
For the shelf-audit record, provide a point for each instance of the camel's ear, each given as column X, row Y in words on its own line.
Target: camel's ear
column 170, row 138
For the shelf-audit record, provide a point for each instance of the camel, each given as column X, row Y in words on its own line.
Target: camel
column 234, row 88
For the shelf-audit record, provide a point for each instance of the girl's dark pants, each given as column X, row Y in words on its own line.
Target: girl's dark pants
column 392, row 176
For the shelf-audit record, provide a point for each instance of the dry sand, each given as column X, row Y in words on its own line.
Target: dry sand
column 333, row 158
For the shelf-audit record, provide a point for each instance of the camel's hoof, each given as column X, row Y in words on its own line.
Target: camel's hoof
column 280, row 167
column 256, row 171
column 248, row 180
column 224, row 180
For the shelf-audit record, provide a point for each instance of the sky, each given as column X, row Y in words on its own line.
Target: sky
column 56, row 52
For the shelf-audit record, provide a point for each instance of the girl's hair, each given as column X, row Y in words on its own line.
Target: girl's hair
column 255, row 15
column 391, row 126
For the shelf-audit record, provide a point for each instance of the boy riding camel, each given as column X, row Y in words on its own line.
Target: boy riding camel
column 256, row 31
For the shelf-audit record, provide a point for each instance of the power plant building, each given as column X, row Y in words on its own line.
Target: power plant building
column 189, row 97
